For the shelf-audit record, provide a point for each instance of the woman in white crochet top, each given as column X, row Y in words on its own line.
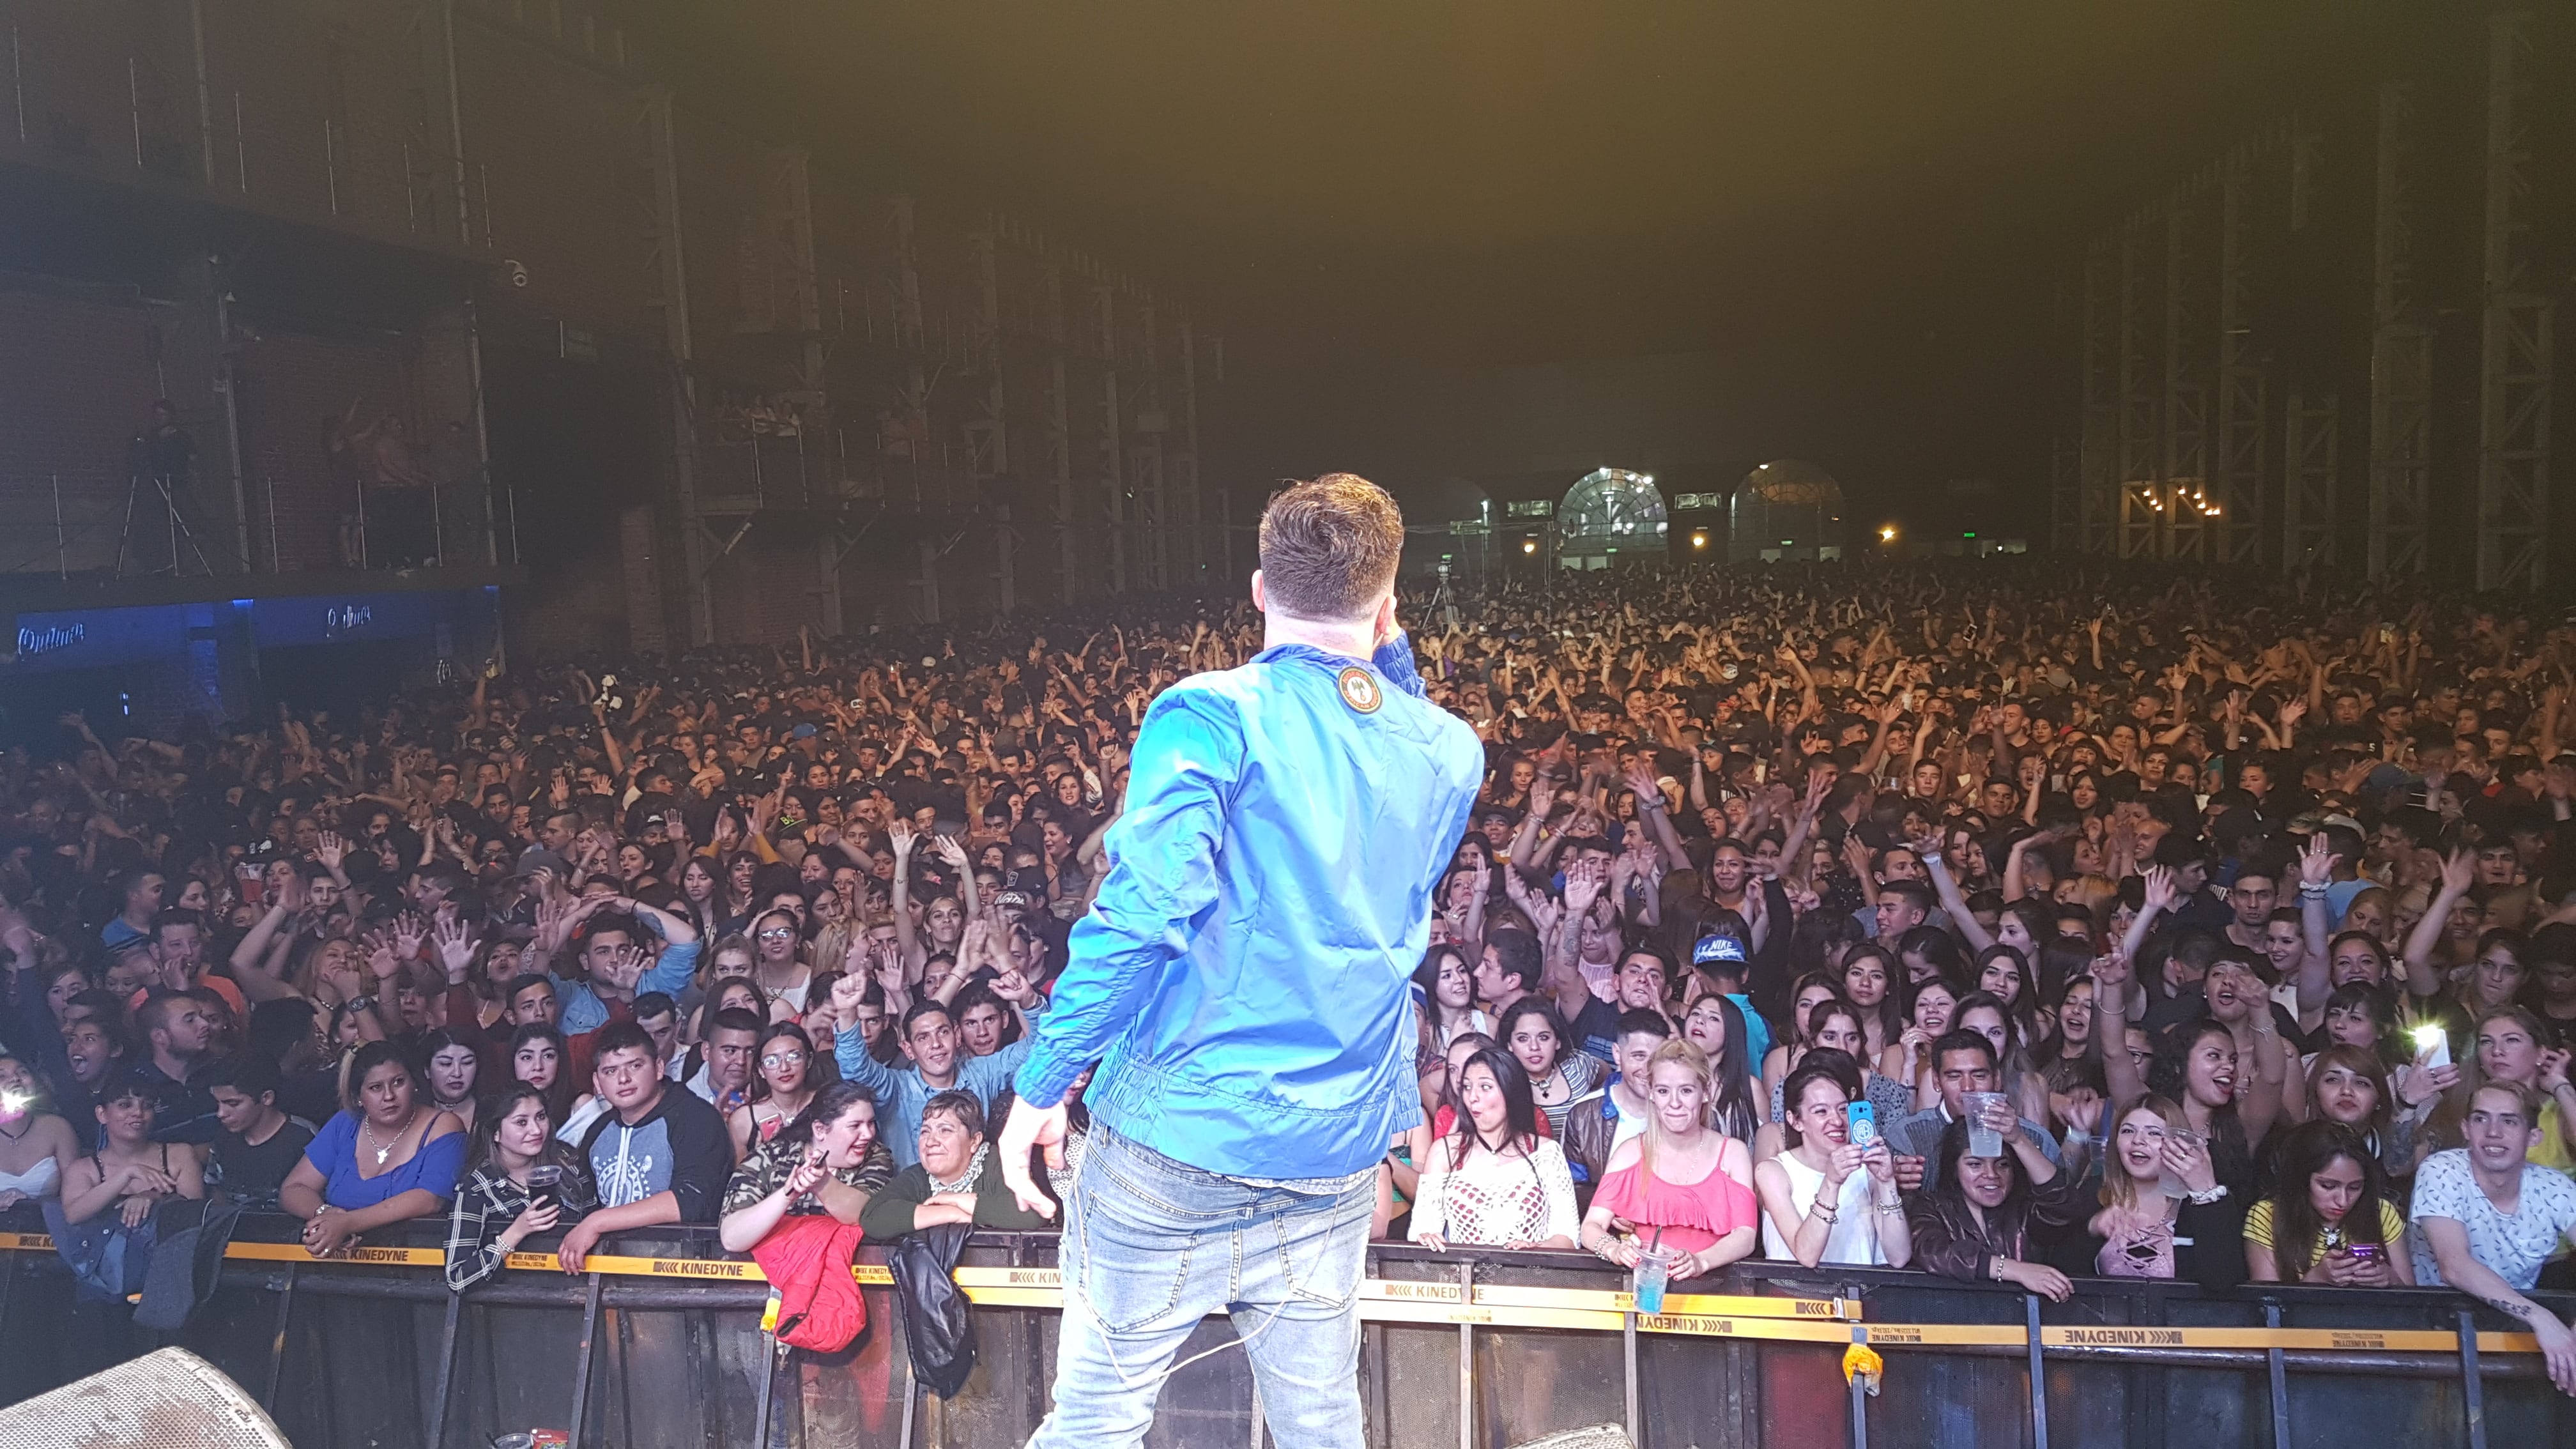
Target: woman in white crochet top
column 1494, row 1182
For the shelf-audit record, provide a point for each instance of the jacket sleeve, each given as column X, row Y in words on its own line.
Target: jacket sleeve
column 850, row 1052
column 2217, row 1233
column 2060, row 1200
column 1939, row 1249
column 1394, row 659
column 1187, row 761
column 670, row 972
column 888, row 1214
column 701, row 1160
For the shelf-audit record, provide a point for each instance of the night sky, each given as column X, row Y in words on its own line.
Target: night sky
column 1863, row 209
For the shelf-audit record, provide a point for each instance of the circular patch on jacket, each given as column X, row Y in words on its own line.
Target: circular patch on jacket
column 1359, row 690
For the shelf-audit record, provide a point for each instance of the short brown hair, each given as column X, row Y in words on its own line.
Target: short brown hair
column 2525, row 1100
column 1329, row 547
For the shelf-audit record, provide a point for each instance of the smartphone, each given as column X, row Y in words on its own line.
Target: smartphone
column 2366, row 1252
column 2432, row 1046
column 1860, row 1124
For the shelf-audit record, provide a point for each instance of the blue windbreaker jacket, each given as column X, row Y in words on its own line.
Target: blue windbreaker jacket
column 1244, row 975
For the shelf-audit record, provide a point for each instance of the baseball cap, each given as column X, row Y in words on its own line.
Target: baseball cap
column 1013, row 900
column 536, row 858
column 1715, row 949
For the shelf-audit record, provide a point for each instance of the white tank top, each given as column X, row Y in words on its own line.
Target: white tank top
column 1853, row 1239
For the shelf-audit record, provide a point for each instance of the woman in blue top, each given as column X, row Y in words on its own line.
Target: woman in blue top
column 392, row 1155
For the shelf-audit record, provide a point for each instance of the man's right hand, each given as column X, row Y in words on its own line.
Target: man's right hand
column 1030, row 1127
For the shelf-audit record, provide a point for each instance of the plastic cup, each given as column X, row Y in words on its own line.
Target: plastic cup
column 1653, row 1271
column 1983, row 1141
column 2169, row 1184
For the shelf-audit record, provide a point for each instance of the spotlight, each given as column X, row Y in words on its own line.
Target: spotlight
column 1529, row 545
column 1699, row 540
column 1887, row 533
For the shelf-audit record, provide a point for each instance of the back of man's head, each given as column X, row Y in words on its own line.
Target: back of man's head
column 1329, row 548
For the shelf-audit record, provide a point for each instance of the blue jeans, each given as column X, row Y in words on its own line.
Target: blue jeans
column 1152, row 1246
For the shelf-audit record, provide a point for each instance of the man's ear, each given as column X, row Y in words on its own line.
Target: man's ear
column 1260, row 593
column 1383, row 628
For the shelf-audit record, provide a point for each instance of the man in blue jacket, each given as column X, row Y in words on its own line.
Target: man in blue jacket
column 1242, row 980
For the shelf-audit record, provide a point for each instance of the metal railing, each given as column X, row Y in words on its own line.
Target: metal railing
column 660, row 1344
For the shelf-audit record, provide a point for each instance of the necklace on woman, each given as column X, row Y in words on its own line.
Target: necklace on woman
column 366, row 1132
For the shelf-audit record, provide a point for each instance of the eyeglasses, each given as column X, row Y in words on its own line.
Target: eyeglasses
column 778, row 933
column 782, row 1059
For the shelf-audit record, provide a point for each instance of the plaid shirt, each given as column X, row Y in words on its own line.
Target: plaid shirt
column 489, row 1201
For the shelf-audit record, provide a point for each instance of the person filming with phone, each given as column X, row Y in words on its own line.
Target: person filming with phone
column 1831, row 1197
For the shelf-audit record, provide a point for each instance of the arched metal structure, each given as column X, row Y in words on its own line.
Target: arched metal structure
column 1610, row 512
column 1787, row 510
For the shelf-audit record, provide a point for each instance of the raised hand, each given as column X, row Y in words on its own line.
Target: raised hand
column 455, row 948
column 2161, row 892
column 330, row 849
column 2316, row 862
column 2459, row 872
column 382, row 963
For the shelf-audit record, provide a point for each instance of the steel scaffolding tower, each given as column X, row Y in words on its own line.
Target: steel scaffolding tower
column 1185, row 464
column 1113, row 466
column 2098, row 501
column 791, row 207
column 2236, row 483
column 1145, row 455
column 2138, row 480
column 2311, row 448
column 2065, row 494
column 2515, row 343
column 2186, row 409
column 669, row 295
column 1060, row 434
column 2401, row 355
column 990, row 434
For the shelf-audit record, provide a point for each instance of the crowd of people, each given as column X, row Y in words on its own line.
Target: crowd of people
column 1978, row 918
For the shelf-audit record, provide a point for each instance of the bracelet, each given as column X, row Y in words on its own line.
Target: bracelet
column 2312, row 892
column 1829, row 1214
column 2212, row 1195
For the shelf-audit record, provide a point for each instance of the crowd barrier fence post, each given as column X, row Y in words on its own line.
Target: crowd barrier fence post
column 588, row 1351
column 444, row 1378
column 2038, row 1375
column 2473, row 1391
column 277, row 1340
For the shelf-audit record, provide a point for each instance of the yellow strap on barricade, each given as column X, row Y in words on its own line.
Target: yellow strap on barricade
column 1499, row 1305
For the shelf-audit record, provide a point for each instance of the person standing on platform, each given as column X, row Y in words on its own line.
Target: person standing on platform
column 1242, row 980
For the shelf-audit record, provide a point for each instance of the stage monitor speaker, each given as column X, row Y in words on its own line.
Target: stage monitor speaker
column 167, row 1400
